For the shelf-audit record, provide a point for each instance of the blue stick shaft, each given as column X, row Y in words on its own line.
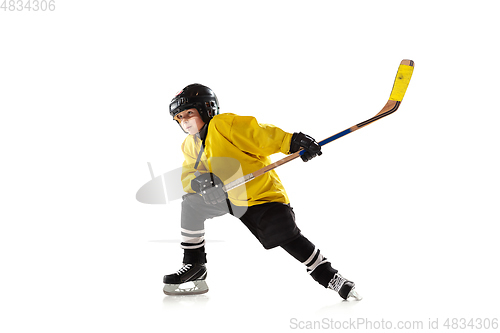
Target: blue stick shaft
column 330, row 139
column 334, row 137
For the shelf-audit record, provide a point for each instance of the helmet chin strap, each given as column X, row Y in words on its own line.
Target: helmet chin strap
column 203, row 132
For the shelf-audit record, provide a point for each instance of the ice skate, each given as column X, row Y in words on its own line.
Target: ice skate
column 194, row 274
column 344, row 287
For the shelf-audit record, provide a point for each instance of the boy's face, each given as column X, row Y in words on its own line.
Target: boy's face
column 190, row 120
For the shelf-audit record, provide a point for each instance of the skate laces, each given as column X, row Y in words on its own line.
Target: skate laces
column 337, row 282
column 184, row 269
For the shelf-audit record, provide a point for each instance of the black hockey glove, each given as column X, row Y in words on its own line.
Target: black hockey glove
column 210, row 188
column 311, row 147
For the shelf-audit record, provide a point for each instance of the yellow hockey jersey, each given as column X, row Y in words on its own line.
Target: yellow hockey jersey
column 236, row 146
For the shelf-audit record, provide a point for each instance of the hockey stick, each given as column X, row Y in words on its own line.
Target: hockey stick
column 401, row 83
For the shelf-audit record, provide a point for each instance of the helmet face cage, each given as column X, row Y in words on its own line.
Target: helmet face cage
column 198, row 97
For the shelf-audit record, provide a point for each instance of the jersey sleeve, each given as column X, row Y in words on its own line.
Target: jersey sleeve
column 259, row 139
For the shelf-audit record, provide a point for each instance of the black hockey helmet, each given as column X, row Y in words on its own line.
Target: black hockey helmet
column 196, row 96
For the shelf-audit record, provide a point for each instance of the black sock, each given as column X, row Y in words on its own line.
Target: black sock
column 195, row 256
column 318, row 266
column 300, row 248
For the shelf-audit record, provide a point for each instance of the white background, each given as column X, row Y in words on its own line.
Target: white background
column 406, row 207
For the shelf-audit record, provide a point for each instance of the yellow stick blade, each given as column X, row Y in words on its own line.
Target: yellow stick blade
column 402, row 80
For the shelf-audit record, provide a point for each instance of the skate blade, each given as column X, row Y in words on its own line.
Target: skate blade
column 200, row 287
column 354, row 294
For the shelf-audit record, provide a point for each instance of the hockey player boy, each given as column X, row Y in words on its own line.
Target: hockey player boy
column 263, row 206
